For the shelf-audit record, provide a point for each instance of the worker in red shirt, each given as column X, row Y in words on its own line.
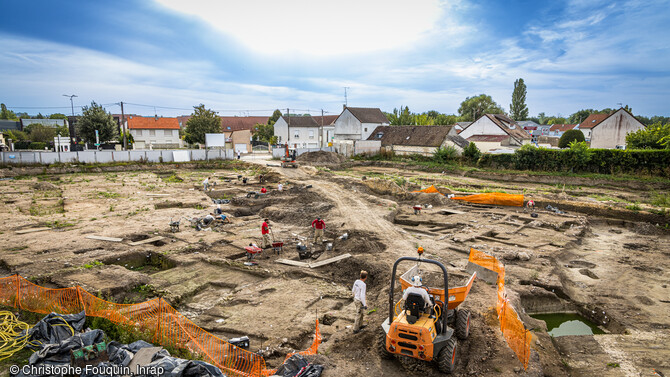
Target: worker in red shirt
column 318, row 225
column 265, row 232
column 264, row 190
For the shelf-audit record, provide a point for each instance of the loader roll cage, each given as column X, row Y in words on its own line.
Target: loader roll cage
column 443, row 313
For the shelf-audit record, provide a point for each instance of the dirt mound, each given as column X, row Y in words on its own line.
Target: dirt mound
column 297, row 214
column 386, row 187
column 359, row 242
column 422, row 198
column 272, row 177
column 44, row 186
column 322, row 157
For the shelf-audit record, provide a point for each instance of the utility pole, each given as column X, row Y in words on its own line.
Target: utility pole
column 288, row 117
column 73, row 133
column 322, row 136
column 345, row 96
column 123, row 127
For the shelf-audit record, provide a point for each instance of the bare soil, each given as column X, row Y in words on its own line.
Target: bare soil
column 611, row 269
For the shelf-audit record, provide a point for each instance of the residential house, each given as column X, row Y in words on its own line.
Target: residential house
column 609, row 131
column 154, row 133
column 298, row 131
column 423, row 140
column 557, row 130
column 357, row 123
column 327, row 124
column 460, row 126
column 491, row 131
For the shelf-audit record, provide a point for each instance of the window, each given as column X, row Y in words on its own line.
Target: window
column 228, row 127
column 279, row 139
column 152, row 132
column 296, row 134
column 366, row 129
column 167, row 133
column 311, row 134
column 138, row 133
column 380, row 135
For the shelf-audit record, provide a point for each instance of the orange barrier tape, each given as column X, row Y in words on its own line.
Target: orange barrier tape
column 514, row 331
column 494, row 198
column 156, row 317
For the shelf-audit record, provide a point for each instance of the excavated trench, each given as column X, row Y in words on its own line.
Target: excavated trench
column 144, row 261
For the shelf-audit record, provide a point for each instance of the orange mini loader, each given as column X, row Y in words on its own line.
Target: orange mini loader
column 288, row 161
column 425, row 334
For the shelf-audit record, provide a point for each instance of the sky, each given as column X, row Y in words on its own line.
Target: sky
column 162, row 57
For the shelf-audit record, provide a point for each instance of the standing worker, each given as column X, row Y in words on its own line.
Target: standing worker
column 318, row 225
column 205, row 184
column 359, row 300
column 238, row 154
column 265, row 232
column 280, row 187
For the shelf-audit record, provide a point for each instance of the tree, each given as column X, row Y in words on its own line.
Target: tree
column 474, row 107
column 264, row 132
column 472, row 153
column 57, row 116
column 656, row 136
column 518, row 109
column 423, row 120
column 569, row 136
column 275, row 117
column 400, row 118
column 40, row 134
column 16, row 135
column 6, row 114
column 541, row 118
column 93, row 118
column 203, row 121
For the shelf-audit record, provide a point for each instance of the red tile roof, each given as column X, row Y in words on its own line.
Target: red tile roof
column 242, row 123
column 592, row 121
column 151, row 123
column 562, row 127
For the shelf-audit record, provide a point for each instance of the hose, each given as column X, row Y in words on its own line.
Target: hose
column 11, row 340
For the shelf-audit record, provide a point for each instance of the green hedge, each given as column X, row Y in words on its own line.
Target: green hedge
column 601, row 161
column 38, row 145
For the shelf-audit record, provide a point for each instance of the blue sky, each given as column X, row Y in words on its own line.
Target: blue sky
column 249, row 57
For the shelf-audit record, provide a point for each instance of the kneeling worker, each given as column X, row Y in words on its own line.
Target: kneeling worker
column 416, row 288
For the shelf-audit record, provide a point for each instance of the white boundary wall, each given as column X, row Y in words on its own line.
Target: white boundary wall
column 106, row 156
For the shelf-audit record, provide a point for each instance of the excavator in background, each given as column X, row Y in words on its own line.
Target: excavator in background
column 288, row 160
column 425, row 332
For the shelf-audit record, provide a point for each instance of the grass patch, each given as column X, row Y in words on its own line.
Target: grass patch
column 108, row 194
column 613, row 365
column 173, row 179
column 634, row 207
column 661, row 200
column 93, row 264
column 57, row 224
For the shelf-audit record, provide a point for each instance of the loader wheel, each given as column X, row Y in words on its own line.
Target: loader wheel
column 381, row 346
column 463, row 324
column 446, row 360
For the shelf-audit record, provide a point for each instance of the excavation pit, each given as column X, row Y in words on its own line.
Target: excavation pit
column 142, row 261
column 567, row 324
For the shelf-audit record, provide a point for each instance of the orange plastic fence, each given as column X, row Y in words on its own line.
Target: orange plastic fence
column 494, row 198
column 515, row 333
column 430, row 190
column 157, row 317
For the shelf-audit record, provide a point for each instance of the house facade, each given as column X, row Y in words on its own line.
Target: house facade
column 492, row 131
column 423, row 140
column 609, row 131
column 305, row 131
column 557, row 130
column 154, row 133
column 357, row 123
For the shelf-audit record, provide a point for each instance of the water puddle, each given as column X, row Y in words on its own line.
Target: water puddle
column 564, row 324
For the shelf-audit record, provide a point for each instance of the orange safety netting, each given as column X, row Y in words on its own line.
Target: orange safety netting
column 157, row 317
column 430, row 190
column 515, row 333
column 495, row 198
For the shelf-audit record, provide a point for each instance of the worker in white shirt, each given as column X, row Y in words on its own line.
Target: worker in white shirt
column 205, row 184
column 359, row 300
column 417, row 282
column 280, row 187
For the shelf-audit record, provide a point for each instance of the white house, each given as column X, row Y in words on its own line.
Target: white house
column 609, row 131
column 154, row 133
column 493, row 131
column 557, row 130
column 357, row 123
column 305, row 131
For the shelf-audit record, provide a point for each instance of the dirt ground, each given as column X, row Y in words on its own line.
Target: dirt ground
column 612, row 270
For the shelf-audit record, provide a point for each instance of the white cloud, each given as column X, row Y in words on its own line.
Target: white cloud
column 317, row 27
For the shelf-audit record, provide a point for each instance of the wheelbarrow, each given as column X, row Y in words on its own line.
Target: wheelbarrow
column 252, row 251
column 278, row 247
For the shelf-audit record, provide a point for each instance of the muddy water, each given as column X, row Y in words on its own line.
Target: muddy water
column 564, row 324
